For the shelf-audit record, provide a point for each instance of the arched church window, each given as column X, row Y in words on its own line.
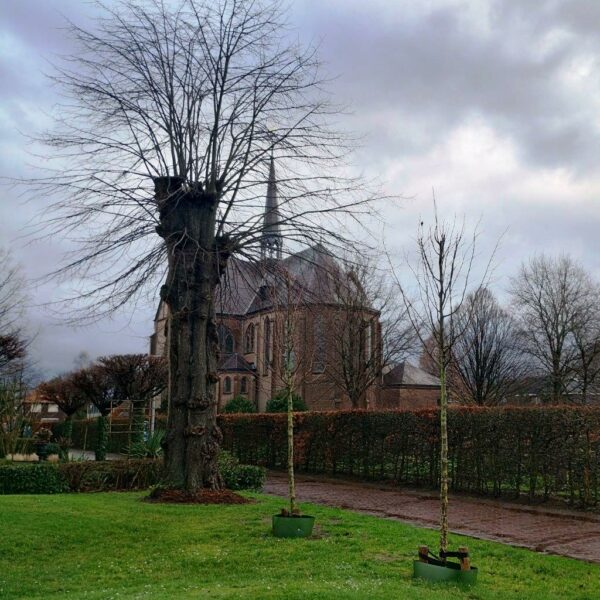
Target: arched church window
column 267, row 346
column 250, row 338
column 227, row 385
column 226, row 341
column 319, row 345
column 244, row 385
column 368, row 340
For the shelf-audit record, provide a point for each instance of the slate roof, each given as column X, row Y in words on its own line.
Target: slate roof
column 234, row 362
column 250, row 287
column 405, row 374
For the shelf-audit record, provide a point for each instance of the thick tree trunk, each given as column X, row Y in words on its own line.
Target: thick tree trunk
column 187, row 224
column 67, row 436
column 68, row 430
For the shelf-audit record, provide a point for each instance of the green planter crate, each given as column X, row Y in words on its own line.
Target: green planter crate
column 436, row 571
column 293, row 526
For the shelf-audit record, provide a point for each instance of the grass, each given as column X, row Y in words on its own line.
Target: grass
column 102, row 546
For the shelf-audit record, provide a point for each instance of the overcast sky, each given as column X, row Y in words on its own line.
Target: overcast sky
column 495, row 104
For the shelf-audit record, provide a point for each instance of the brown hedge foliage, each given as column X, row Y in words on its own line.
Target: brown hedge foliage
column 536, row 453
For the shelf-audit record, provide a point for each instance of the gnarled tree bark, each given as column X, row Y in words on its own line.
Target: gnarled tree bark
column 196, row 261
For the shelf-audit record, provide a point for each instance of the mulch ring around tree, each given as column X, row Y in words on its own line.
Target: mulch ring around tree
column 175, row 496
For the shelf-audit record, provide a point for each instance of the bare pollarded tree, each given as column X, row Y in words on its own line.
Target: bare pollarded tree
column 67, row 396
column 487, row 361
column 555, row 300
column 441, row 275
column 137, row 379
column 173, row 113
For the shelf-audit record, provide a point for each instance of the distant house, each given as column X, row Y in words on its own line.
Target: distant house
column 406, row 386
column 41, row 411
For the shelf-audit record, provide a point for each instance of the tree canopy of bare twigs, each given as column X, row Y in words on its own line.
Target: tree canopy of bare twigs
column 487, row 362
column 136, row 377
column 556, row 303
column 13, row 345
column 62, row 392
column 172, row 114
column 205, row 93
column 442, row 273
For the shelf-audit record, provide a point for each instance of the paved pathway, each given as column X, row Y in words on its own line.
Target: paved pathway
column 552, row 530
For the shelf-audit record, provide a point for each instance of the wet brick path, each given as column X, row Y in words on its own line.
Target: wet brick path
column 544, row 529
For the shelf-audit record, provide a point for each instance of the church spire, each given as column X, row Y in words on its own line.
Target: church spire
column 272, row 242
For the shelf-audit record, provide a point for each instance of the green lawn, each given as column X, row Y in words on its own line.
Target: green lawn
column 114, row 546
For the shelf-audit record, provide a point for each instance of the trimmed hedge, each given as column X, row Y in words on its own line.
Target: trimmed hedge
column 114, row 475
column 18, row 478
column 536, row 453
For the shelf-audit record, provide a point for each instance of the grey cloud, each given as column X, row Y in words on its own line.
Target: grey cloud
column 412, row 72
column 437, row 69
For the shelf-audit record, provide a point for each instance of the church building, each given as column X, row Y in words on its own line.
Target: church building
column 280, row 317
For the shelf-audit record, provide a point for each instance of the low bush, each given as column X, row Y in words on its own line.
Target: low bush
column 238, row 476
column 239, row 404
column 149, row 448
column 279, row 403
column 32, row 479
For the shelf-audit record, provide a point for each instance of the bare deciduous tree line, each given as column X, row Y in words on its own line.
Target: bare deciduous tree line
column 542, row 345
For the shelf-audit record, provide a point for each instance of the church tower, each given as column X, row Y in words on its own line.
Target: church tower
column 272, row 241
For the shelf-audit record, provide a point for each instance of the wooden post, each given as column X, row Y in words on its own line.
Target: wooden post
column 465, row 562
column 424, row 554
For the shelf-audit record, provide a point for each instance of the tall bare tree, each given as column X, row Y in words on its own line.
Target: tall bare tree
column 292, row 366
column 586, row 335
column 369, row 330
column 174, row 112
column 553, row 298
column 441, row 273
column 486, row 360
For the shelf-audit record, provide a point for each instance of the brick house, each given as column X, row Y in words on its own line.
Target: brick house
column 409, row 387
column 40, row 411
